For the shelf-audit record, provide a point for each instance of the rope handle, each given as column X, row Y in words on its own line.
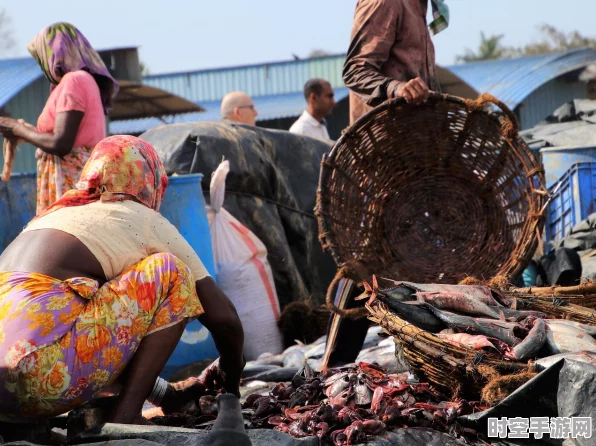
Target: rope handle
column 352, row 313
column 486, row 98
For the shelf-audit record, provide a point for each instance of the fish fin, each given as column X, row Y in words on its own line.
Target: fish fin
column 391, row 280
column 367, row 287
column 370, row 291
column 363, row 296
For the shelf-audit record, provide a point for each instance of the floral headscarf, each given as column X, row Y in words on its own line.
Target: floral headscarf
column 61, row 48
column 120, row 168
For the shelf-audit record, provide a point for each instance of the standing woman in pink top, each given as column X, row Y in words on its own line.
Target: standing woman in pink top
column 73, row 119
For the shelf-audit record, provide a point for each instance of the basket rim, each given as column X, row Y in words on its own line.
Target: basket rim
column 322, row 208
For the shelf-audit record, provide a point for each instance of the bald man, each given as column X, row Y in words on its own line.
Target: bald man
column 238, row 107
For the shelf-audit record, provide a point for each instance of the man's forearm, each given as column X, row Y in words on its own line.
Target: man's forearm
column 371, row 86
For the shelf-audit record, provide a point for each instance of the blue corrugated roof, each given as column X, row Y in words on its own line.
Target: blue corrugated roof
column 16, row 74
column 264, row 79
column 268, row 107
column 275, row 87
column 513, row 80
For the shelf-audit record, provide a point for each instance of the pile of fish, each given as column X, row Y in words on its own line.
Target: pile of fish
column 350, row 405
column 480, row 318
column 269, row 368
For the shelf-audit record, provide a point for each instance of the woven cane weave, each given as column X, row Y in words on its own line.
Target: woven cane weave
column 432, row 193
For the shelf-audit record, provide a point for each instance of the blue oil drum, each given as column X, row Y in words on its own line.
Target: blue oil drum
column 184, row 206
column 17, row 205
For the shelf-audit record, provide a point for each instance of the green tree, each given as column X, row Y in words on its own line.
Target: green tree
column 552, row 40
column 7, row 42
column 314, row 54
column 555, row 41
column 145, row 71
column 490, row 48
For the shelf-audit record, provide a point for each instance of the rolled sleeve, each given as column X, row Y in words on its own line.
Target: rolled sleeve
column 373, row 36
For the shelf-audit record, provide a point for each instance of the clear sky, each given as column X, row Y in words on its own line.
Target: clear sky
column 177, row 35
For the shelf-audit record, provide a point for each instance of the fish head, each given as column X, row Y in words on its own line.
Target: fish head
column 339, row 386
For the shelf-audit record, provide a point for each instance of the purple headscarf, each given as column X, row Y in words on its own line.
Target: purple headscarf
column 61, row 48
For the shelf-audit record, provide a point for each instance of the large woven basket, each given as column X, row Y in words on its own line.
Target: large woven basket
column 583, row 295
column 462, row 372
column 432, row 193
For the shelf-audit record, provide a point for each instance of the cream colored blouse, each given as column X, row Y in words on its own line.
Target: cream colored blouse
column 120, row 234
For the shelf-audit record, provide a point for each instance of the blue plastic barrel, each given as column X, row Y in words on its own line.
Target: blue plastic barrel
column 557, row 160
column 183, row 205
column 572, row 201
column 530, row 275
column 17, row 205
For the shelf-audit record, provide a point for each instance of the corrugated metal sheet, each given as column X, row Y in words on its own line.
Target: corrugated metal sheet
column 547, row 98
column 16, row 74
column 514, row 80
column 268, row 107
column 255, row 80
column 27, row 104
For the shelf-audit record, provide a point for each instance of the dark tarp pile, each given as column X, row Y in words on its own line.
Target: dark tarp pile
column 572, row 124
column 582, row 238
column 271, row 189
column 566, row 389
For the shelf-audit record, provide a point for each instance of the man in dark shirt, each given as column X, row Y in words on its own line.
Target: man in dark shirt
column 391, row 55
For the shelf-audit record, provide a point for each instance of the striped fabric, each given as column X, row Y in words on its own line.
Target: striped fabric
column 440, row 16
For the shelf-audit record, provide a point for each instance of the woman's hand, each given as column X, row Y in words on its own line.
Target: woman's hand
column 222, row 320
column 8, row 126
column 60, row 142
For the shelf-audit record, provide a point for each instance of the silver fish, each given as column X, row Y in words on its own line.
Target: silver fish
column 460, row 302
column 518, row 315
column 252, row 370
column 371, row 354
column 321, row 340
column 533, row 342
column 565, row 338
column 281, row 374
column 338, row 383
column 583, row 356
column 269, row 360
column 478, row 292
column 294, row 358
column 590, row 329
column 363, row 394
column 387, row 342
column 372, row 336
column 315, row 352
column 503, row 331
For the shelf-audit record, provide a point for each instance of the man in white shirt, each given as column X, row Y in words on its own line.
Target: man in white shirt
column 320, row 101
column 238, row 107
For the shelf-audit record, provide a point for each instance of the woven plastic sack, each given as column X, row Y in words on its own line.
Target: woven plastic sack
column 243, row 273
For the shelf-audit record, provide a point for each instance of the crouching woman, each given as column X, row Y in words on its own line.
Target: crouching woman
column 96, row 292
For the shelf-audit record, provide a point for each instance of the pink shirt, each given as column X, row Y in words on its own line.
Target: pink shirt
column 76, row 91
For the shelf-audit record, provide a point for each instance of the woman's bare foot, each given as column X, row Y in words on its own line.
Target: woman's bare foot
column 179, row 395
